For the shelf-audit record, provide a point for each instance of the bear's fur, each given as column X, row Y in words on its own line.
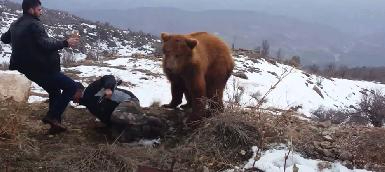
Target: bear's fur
column 197, row 65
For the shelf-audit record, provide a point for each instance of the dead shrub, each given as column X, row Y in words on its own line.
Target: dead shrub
column 372, row 106
column 223, row 140
column 235, row 94
column 335, row 116
column 104, row 158
column 4, row 66
column 68, row 59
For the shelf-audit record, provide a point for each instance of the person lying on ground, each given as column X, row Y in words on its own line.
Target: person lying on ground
column 118, row 109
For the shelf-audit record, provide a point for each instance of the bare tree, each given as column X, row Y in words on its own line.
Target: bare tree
column 330, row 70
column 234, row 42
column 279, row 55
column 295, row 61
column 314, row 69
column 265, row 49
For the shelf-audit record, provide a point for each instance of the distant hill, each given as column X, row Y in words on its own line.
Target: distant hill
column 315, row 43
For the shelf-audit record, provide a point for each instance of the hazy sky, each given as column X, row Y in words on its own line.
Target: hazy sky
column 221, row 4
column 353, row 16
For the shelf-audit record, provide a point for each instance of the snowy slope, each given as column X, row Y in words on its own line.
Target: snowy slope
column 95, row 37
column 296, row 89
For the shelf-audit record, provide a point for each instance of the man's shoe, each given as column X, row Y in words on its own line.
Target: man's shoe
column 54, row 130
column 56, row 127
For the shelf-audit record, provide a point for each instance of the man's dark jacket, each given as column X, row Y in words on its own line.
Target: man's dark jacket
column 33, row 52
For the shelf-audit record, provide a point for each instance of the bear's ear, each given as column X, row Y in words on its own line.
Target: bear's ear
column 165, row 36
column 192, row 43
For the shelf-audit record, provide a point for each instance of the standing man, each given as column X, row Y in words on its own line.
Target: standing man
column 36, row 55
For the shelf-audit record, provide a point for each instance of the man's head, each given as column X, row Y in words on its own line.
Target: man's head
column 79, row 93
column 32, row 7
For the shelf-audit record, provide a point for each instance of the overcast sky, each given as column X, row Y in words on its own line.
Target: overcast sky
column 354, row 16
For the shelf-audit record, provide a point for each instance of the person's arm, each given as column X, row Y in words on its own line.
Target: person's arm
column 45, row 42
column 6, row 37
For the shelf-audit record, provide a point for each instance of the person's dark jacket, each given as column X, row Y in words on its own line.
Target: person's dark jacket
column 33, row 51
column 99, row 107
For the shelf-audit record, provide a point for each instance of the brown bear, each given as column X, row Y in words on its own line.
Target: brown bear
column 197, row 65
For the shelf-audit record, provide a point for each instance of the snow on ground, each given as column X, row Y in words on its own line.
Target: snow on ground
column 80, row 56
column 89, row 25
column 296, row 89
column 147, row 88
column 36, row 99
column 129, row 51
column 273, row 160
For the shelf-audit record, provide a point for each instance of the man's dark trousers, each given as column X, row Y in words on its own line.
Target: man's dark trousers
column 53, row 83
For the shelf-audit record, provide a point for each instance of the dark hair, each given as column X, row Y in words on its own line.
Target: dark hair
column 28, row 4
column 79, row 86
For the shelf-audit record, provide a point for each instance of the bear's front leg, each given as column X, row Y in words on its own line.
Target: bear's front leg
column 198, row 94
column 177, row 89
column 187, row 95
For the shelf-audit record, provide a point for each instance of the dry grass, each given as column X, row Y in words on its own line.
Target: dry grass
column 221, row 142
column 9, row 127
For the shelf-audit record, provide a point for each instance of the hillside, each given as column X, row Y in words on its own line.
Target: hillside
column 99, row 38
column 266, row 126
column 127, row 55
column 297, row 89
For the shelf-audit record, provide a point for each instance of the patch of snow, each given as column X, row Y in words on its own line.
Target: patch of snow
column 273, row 160
column 89, row 25
column 37, row 89
column 80, row 56
column 36, row 99
column 10, row 72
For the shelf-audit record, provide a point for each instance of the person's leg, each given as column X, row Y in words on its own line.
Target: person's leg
column 61, row 82
column 137, row 124
column 43, row 80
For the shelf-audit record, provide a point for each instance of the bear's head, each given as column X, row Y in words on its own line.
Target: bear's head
column 177, row 50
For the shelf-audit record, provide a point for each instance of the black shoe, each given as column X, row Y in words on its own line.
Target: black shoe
column 56, row 127
column 55, row 130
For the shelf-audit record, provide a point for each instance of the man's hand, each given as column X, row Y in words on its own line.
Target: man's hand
column 107, row 93
column 73, row 41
